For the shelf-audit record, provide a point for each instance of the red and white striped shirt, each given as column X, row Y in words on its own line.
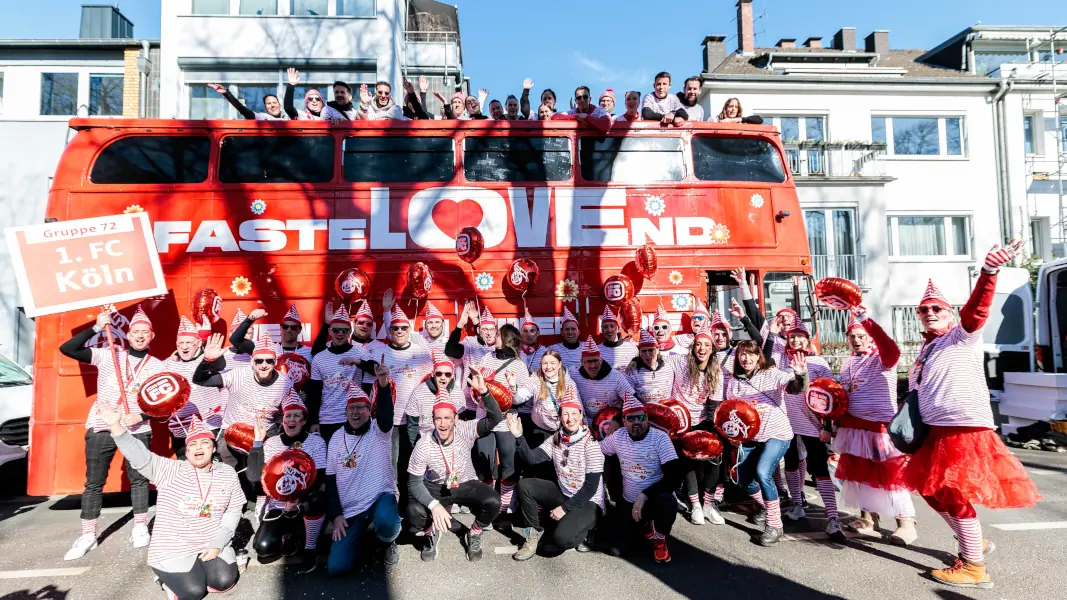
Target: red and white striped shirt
column 726, row 359
column 544, row 410
column 597, row 394
column 619, row 356
column 364, row 468
column 335, row 377
column 871, row 386
column 314, row 445
column 801, row 419
column 582, row 457
column 766, row 390
column 134, row 373
column 652, row 386
column 247, row 397
column 189, row 507
column 423, row 338
column 438, row 464
column 204, row 402
column 953, row 392
column 642, row 461
column 572, row 357
column 407, row 367
column 491, row 363
column 422, row 400
column 695, row 396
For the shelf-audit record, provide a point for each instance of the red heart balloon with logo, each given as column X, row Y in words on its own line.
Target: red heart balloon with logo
column 240, row 436
column 606, row 422
column 700, row 445
column 351, row 285
column 680, row 411
column 420, row 280
column 737, row 420
column 646, row 261
column 523, row 274
column 835, row 292
column 295, row 367
column 163, row 394
column 827, row 398
column 618, row 289
column 207, row 303
column 663, row 417
column 469, row 244
column 289, row 475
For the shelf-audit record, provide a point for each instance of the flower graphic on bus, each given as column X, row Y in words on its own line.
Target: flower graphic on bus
column 675, row 277
column 258, row 207
column 133, row 208
column 756, row 201
column 567, row 290
column 241, row 286
column 655, row 205
column 483, row 281
column 680, row 301
column 720, row 234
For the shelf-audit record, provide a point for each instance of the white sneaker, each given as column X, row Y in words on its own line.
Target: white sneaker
column 140, row 536
column 833, row 528
column 696, row 515
column 795, row 513
column 712, row 514
column 84, row 543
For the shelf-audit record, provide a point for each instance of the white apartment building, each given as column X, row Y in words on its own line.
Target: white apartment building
column 248, row 45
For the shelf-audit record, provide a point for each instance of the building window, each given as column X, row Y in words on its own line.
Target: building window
column 919, row 136
column 832, row 240
column 355, row 8
column 310, row 8
column 59, row 94
column 204, row 103
column 259, row 7
column 105, row 94
column 930, row 236
column 1028, row 133
column 211, row 7
column 799, row 134
column 1063, row 133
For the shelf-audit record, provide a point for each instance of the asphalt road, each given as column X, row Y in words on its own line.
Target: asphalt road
column 708, row 561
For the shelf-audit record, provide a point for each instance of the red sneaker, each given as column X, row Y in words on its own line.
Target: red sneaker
column 660, row 552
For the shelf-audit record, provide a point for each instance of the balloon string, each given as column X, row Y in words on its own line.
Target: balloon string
column 474, row 278
column 524, row 309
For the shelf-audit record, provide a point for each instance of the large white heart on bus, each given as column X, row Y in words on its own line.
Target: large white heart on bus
column 70, row 265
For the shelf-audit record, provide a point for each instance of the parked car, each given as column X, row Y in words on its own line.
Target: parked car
column 16, row 403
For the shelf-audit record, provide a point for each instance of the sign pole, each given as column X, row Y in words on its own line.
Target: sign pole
column 118, row 370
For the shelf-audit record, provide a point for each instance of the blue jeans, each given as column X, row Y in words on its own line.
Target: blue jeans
column 758, row 464
column 385, row 520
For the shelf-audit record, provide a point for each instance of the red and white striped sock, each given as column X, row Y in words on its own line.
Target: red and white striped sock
column 709, row 498
column 795, row 479
column 507, row 495
column 829, row 495
column 774, row 513
column 694, row 499
column 261, row 501
column 89, row 526
column 779, row 480
column 657, row 536
column 969, row 535
column 140, row 518
column 475, row 530
column 758, row 497
column 720, row 492
column 312, row 529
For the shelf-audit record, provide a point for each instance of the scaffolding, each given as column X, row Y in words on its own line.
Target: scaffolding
column 1052, row 51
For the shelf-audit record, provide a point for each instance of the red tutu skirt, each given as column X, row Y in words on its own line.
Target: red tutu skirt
column 961, row 465
column 886, row 475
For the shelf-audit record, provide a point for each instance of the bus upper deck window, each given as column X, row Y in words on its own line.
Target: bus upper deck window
column 516, row 158
column 736, row 159
column 631, row 159
column 276, row 159
column 153, row 159
column 398, row 159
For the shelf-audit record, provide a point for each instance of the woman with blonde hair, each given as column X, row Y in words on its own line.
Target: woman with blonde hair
column 731, row 111
column 545, row 390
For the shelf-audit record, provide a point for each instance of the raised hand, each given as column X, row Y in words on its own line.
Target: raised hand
column 736, row 309
column 104, row 317
column 509, row 378
column 799, row 363
column 477, row 382
column 408, row 87
column 424, row 84
column 438, row 95
column 775, row 325
column 860, row 312
column 464, row 316
column 108, row 415
column 364, row 94
column 739, row 275
column 483, row 94
column 213, row 347
column 328, row 312
column 293, row 75
column 527, row 84
column 218, row 87
column 381, row 370
column 999, row 256
column 259, row 430
column 514, row 424
column 257, row 314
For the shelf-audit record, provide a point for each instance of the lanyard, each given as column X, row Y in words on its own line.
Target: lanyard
column 344, row 439
column 441, row 448
column 200, row 492
column 136, row 370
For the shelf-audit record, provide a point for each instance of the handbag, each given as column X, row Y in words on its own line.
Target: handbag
column 907, row 430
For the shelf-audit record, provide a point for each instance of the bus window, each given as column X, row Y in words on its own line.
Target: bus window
column 516, row 158
column 276, row 159
column 153, row 159
column 398, row 159
column 736, row 159
column 631, row 159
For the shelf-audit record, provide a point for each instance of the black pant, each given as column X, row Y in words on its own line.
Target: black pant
column 475, row 495
column 485, row 456
column 535, row 436
column 213, row 575
column 613, row 477
column 402, row 450
column 273, row 530
column 569, row 531
column 817, row 456
column 99, row 450
column 660, row 509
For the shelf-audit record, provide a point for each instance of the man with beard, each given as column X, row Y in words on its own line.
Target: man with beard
column 688, row 98
column 331, row 374
column 380, row 106
column 569, row 348
column 433, row 328
column 617, row 349
column 599, row 386
column 341, row 109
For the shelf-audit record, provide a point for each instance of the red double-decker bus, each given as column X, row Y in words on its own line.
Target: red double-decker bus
column 273, row 211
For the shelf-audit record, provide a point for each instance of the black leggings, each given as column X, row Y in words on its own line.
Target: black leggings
column 817, row 456
column 660, row 509
column 569, row 531
column 273, row 530
column 214, row 575
column 485, row 456
column 475, row 495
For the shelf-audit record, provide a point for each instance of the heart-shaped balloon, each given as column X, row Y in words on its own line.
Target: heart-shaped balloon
column 207, row 303
column 469, row 244
column 240, row 436
column 827, row 398
column 420, row 280
column 737, row 420
column 700, row 445
column 835, row 292
column 523, row 274
column 646, row 261
column 295, row 367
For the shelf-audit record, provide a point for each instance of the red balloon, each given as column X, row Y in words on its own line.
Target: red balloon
column 834, row 292
column 646, row 261
column 501, row 392
column 522, row 274
column 606, row 421
column 162, row 395
column 289, row 475
column 295, row 367
column 700, row 445
column 469, row 244
column 420, row 280
column 240, row 436
column 207, row 303
column 663, row 417
column 684, row 418
column 618, row 289
column 630, row 315
column 737, row 420
column 351, row 285
column 827, row 398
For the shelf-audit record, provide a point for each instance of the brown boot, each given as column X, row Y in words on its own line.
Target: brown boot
column 964, row 574
column 905, row 533
column 866, row 523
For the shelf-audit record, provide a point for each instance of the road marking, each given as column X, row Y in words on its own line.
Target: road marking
column 120, row 510
column 506, row 549
column 43, row 573
column 1036, row 471
column 1032, row 526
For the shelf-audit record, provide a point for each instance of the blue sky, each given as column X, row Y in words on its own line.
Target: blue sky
column 620, row 44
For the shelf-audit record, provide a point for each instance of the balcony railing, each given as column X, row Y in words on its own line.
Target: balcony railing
column 845, row 266
column 832, row 159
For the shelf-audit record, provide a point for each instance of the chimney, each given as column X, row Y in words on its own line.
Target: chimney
column 746, row 32
column 878, row 42
column 845, row 39
column 104, row 22
column 786, row 43
column 714, row 52
column 813, row 42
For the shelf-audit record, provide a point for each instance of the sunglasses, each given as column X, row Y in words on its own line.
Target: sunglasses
column 635, row 418
column 264, row 361
column 582, row 97
column 291, row 328
column 399, row 328
column 661, row 327
column 364, row 322
column 339, row 329
column 566, row 455
column 930, row 309
column 314, row 99
column 442, row 373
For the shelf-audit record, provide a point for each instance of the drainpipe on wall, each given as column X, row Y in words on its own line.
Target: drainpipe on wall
column 1001, row 154
column 142, row 108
